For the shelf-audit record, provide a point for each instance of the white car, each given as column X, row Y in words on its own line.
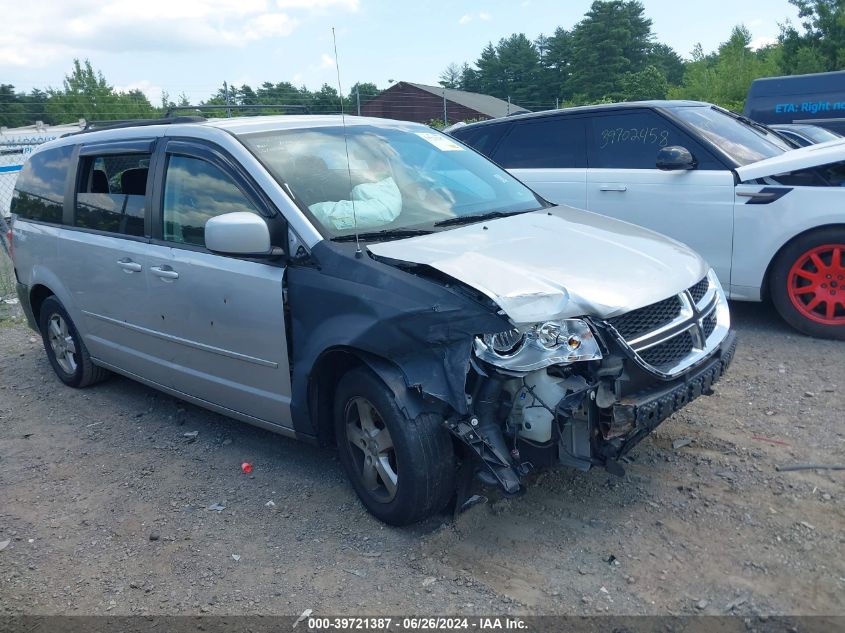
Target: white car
column 770, row 221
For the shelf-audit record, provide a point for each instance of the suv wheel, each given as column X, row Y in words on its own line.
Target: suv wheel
column 402, row 469
column 808, row 283
column 65, row 349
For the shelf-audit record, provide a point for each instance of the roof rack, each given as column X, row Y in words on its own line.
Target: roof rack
column 230, row 107
column 96, row 126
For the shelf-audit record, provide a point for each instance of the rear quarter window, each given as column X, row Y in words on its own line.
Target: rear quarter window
column 40, row 188
column 483, row 138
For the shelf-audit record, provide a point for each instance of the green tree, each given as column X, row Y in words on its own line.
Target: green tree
column 12, row 111
column 556, row 65
column 664, row 58
column 519, row 68
column 87, row 94
column 649, row 83
column 724, row 78
column 363, row 90
column 613, row 39
column 821, row 46
column 470, row 80
column 489, row 73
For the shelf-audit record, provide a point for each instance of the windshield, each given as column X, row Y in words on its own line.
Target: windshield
column 394, row 180
column 741, row 141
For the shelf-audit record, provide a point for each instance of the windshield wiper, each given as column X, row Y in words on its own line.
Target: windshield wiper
column 374, row 236
column 467, row 219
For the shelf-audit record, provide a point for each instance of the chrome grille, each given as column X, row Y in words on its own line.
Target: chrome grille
column 673, row 334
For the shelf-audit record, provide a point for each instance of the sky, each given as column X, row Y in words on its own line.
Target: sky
column 192, row 46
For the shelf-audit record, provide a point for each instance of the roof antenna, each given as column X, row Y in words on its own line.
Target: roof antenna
column 358, row 252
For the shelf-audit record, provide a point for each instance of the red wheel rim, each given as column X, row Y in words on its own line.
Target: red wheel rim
column 816, row 284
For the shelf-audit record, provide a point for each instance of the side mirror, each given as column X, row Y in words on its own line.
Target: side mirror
column 238, row 233
column 675, row 157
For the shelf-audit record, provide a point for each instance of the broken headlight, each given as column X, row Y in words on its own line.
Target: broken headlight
column 539, row 345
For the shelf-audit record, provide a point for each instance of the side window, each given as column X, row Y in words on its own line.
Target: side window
column 111, row 193
column 631, row 140
column 194, row 192
column 550, row 142
column 482, row 138
column 40, row 188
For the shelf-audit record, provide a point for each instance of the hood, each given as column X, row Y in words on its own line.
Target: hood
column 801, row 158
column 556, row 263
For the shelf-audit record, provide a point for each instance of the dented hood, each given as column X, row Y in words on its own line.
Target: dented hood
column 556, row 263
column 801, row 158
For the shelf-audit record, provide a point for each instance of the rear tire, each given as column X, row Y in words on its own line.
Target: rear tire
column 403, row 470
column 67, row 353
column 807, row 283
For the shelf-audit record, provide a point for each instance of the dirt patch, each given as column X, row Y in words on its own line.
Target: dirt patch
column 106, row 503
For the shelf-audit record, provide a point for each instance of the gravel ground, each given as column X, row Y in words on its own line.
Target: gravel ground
column 105, row 502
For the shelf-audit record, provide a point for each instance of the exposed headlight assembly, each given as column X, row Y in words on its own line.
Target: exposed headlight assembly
column 539, row 345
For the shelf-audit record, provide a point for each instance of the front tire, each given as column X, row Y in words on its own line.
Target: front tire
column 65, row 349
column 403, row 470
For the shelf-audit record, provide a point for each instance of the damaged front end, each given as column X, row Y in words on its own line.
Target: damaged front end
column 574, row 391
column 583, row 392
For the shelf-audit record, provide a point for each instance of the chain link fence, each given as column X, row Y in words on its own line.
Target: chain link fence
column 12, row 156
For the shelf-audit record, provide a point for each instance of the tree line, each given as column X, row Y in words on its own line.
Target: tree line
column 612, row 54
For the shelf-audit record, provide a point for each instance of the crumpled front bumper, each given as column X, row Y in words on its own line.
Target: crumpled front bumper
column 644, row 411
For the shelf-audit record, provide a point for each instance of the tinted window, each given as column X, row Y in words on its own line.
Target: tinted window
column 631, row 140
column 556, row 142
column 112, row 193
column 40, row 189
column 483, row 138
column 194, row 192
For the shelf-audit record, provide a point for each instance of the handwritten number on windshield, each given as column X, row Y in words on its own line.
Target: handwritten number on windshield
column 646, row 136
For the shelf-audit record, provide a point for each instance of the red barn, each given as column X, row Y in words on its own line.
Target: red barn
column 407, row 101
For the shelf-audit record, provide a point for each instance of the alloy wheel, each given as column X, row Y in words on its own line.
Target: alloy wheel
column 816, row 284
column 372, row 449
column 62, row 343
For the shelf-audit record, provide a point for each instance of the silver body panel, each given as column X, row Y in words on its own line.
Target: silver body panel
column 557, row 263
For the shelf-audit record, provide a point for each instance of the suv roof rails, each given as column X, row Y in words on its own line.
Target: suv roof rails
column 96, row 126
column 230, row 107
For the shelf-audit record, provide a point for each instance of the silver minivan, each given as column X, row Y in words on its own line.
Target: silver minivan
column 369, row 283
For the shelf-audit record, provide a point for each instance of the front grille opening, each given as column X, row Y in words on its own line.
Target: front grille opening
column 709, row 324
column 651, row 317
column 669, row 352
column 699, row 290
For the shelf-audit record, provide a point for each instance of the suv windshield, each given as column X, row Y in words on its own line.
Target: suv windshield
column 741, row 141
column 386, row 180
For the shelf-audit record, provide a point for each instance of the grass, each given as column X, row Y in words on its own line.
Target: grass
column 7, row 275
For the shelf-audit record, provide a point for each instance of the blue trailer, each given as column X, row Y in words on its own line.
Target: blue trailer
column 818, row 99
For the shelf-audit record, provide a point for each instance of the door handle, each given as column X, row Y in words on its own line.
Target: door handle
column 129, row 266
column 613, row 188
column 165, row 272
